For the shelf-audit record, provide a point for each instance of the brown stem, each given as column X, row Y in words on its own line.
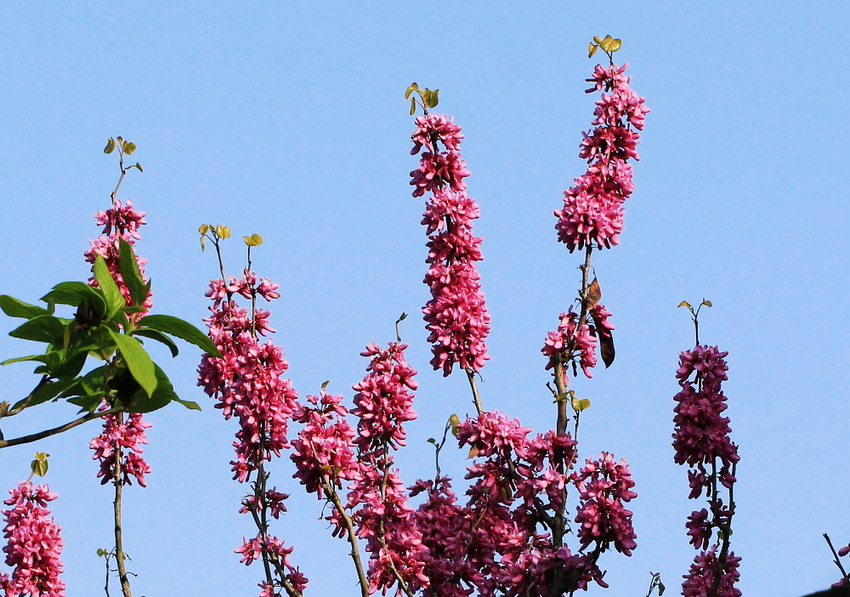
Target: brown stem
column 476, row 397
column 835, row 555
column 120, row 556
column 26, row 439
column 333, row 498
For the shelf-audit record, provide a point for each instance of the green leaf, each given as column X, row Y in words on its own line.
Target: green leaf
column 114, row 299
column 159, row 337
column 163, row 394
column 15, row 308
column 129, row 147
column 182, row 329
column 188, row 403
column 39, row 466
column 45, row 328
column 129, row 266
column 139, row 166
column 74, row 293
column 138, row 361
column 47, row 392
column 434, row 98
column 41, row 358
column 412, row 106
column 591, row 49
column 110, row 146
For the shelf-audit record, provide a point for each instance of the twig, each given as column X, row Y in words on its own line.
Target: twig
column 333, row 497
column 26, row 439
column 476, row 397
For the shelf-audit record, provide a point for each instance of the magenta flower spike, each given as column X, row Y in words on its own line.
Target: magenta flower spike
column 33, row 544
column 593, row 208
column 456, row 316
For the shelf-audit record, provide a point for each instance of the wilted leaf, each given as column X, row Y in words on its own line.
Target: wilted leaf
column 593, row 294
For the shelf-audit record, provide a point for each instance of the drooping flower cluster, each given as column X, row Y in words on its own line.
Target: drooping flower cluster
column 33, row 544
column 701, row 440
column 247, row 379
column 593, row 208
column 456, row 315
column 120, row 222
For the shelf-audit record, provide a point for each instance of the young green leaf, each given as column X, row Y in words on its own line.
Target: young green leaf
column 74, row 293
column 129, row 266
column 110, row 146
column 138, row 361
column 114, row 299
column 44, row 328
column 159, row 337
column 15, row 308
column 182, row 329
column 39, row 466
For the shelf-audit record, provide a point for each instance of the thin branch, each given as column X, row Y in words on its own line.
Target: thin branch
column 120, row 556
column 26, row 439
column 835, row 555
column 476, row 397
column 333, row 497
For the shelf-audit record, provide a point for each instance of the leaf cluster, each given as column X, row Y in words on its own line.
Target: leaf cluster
column 108, row 327
column 428, row 98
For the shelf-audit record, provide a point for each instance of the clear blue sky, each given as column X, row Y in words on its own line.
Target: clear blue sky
column 287, row 119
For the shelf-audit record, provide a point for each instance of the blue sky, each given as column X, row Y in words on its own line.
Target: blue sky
column 287, row 120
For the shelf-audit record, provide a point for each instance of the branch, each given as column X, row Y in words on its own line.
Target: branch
column 476, row 397
column 333, row 497
column 26, row 439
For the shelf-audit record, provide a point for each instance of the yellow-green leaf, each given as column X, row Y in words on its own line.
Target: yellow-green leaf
column 40, row 465
column 325, row 384
column 222, row 231
column 110, row 146
column 412, row 106
column 434, row 98
column 616, row 44
column 706, row 303
column 129, row 147
column 255, row 240
column 139, row 166
column 685, row 304
column 204, row 228
column 591, row 49
column 454, row 421
column 580, row 404
column 597, row 39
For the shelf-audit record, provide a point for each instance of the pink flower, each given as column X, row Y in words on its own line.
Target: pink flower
column 700, row 579
column 123, row 434
column 33, row 544
column 456, row 315
column 593, row 208
column 701, row 433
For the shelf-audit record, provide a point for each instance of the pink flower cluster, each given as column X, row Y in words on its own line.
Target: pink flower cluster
column 120, row 222
column 593, row 208
column 604, row 486
column 495, row 543
column 701, row 435
column 456, row 315
column 701, row 440
column 33, row 544
column 253, row 549
column 247, row 380
column 577, row 345
column 699, row 582
column 128, row 435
